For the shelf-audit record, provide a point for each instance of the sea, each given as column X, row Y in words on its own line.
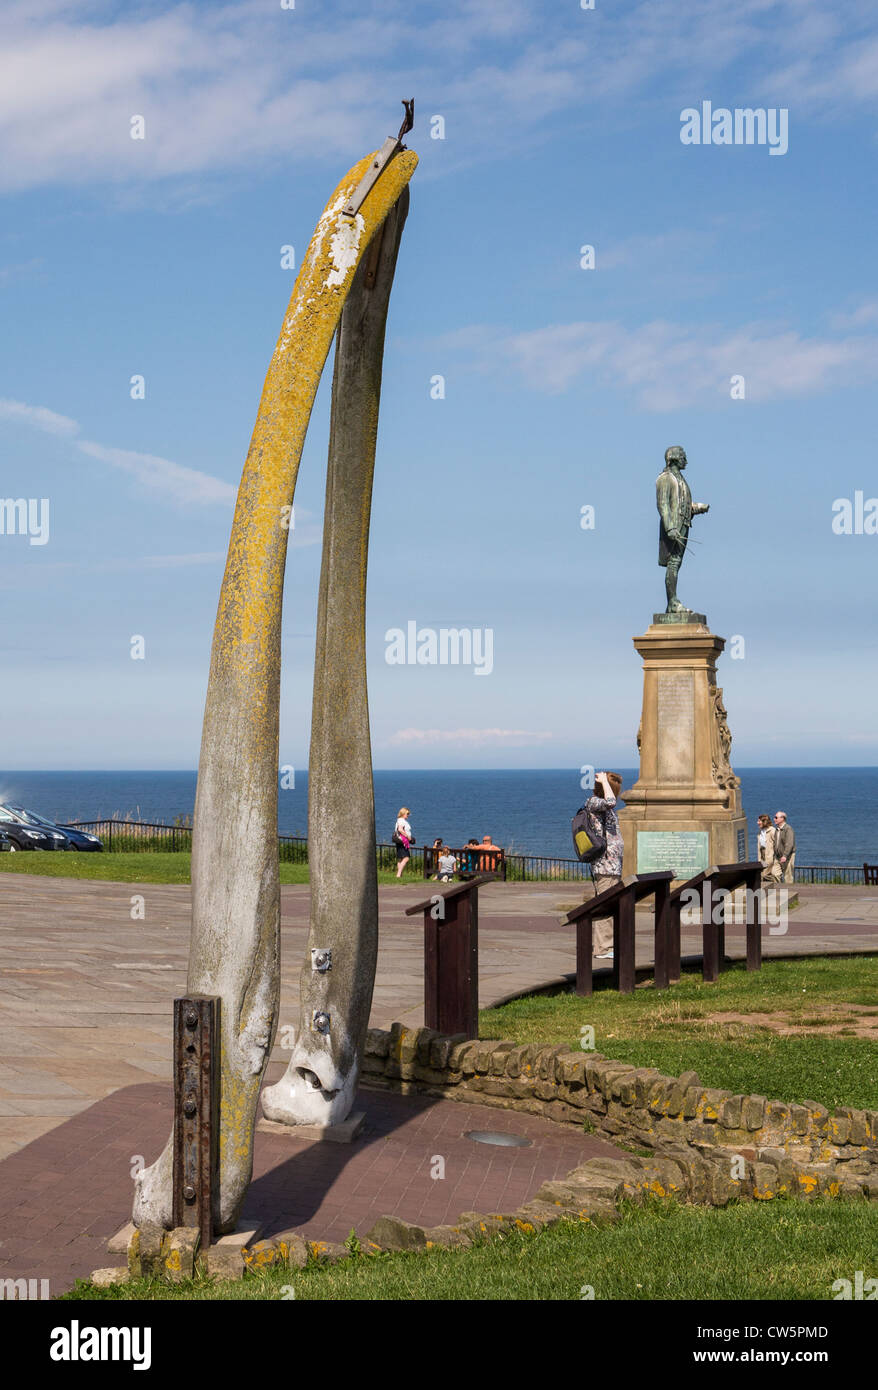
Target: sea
column 834, row 811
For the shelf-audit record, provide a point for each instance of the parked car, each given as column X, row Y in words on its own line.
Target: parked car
column 59, row 839
column 75, row 839
column 21, row 835
column 79, row 839
column 5, row 842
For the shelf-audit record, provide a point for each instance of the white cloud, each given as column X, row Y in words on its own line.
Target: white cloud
column 218, row 89
column 160, row 475
column 227, row 87
column 861, row 317
column 39, row 417
column 667, row 365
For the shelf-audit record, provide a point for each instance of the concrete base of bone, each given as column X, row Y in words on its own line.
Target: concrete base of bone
column 344, row 1132
column 311, row 1092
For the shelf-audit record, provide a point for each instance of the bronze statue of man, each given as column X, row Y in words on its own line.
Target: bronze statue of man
column 676, row 509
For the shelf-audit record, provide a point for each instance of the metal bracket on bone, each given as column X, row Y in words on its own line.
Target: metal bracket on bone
column 320, row 1021
column 390, row 147
column 321, row 959
column 196, row 1113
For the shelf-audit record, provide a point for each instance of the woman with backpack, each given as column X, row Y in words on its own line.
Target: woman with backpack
column 403, row 839
column 607, row 870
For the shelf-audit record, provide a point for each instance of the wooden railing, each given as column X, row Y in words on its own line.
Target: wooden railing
column 712, row 891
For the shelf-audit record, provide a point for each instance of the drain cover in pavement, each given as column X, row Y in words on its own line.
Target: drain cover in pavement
column 490, row 1136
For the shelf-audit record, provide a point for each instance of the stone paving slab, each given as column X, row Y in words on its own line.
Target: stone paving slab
column 63, row 1196
column 86, row 991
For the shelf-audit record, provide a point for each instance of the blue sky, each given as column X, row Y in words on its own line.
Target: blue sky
column 563, row 386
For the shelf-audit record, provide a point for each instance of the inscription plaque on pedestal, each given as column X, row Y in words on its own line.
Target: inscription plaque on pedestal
column 686, row 852
column 675, row 725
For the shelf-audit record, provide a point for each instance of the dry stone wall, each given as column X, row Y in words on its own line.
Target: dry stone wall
column 726, row 1145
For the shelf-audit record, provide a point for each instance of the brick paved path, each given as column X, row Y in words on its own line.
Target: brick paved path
column 86, row 991
column 65, row 1194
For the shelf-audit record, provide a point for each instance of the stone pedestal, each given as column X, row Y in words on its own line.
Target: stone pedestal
column 684, row 811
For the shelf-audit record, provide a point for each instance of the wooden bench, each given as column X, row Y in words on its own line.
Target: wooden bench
column 471, row 861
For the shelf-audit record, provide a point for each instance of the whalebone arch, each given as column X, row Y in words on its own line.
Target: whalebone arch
column 343, row 286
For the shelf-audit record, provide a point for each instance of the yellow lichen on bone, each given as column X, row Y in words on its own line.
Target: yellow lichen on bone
column 251, row 592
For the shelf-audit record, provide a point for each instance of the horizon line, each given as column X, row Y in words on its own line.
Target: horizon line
column 743, row 767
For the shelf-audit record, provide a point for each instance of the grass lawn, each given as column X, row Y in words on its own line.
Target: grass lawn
column 152, row 866
column 729, row 1031
column 776, row 1249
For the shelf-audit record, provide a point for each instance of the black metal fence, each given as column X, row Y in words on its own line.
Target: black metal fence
column 524, row 868
column 127, row 836
column 124, row 836
column 134, row 836
column 829, row 873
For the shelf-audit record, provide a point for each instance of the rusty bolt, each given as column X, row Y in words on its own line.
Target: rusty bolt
column 189, row 1192
column 189, row 1106
column 191, row 1018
